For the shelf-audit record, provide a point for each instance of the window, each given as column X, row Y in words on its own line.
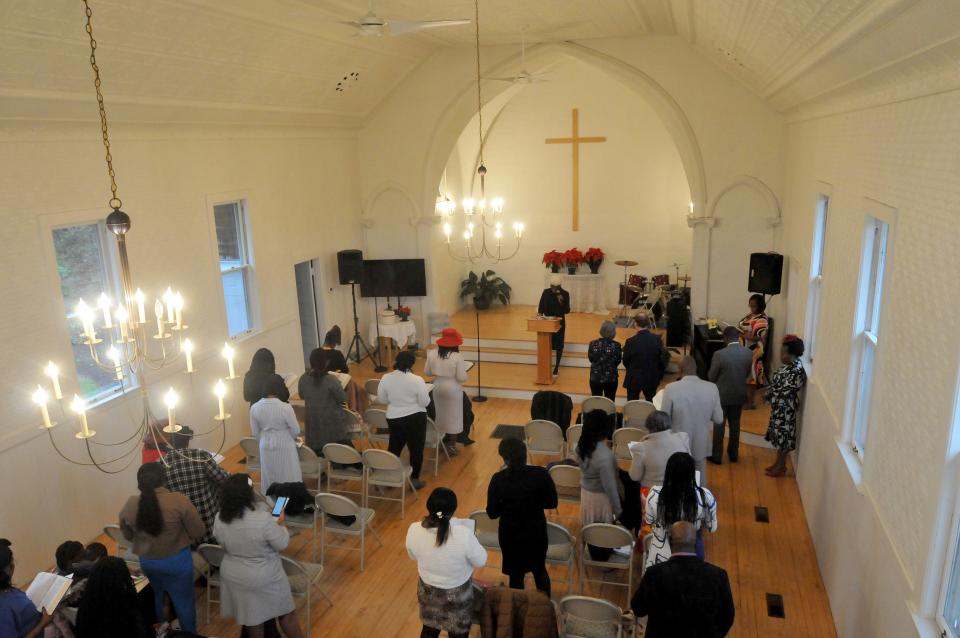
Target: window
column 867, row 337
column 236, row 265
column 86, row 271
column 948, row 609
column 816, row 275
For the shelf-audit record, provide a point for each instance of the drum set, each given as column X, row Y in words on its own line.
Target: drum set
column 650, row 295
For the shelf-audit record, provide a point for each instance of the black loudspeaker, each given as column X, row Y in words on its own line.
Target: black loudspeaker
column 678, row 322
column 766, row 272
column 350, row 266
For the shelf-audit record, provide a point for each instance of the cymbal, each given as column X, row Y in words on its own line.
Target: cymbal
column 626, row 262
column 686, row 279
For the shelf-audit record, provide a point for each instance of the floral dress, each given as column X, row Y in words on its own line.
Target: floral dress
column 604, row 355
column 756, row 326
column 784, row 396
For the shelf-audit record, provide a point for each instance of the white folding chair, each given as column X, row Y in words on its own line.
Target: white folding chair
column 302, row 577
column 299, row 521
column 566, row 478
column 562, row 550
column 251, row 453
column 377, row 428
column 586, row 617
column 624, row 436
column 598, row 403
column 370, row 386
column 344, row 456
column 487, row 530
column 544, row 438
column 385, row 469
column 311, row 465
column 354, row 423
column 573, row 437
column 607, row 536
column 434, row 441
column 213, row 556
column 124, row 547
column 341, row 506
column 635, row 413
column 651, row 300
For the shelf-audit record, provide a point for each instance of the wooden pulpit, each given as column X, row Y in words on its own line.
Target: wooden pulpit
column 544, row 329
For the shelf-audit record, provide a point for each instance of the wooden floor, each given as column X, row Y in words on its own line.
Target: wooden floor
column 760, row 558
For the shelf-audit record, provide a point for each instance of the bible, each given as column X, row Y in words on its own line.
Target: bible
column 47, row 590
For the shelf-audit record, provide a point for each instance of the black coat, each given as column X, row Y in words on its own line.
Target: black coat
column 685, row 597
column 552, row 406
column 518, row 497
column 555, row 304
column 643, row 358
column 336, row 362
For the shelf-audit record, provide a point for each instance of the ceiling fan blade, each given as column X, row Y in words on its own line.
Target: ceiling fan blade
column 350, row 23
column 512, row 79
column 398, row 27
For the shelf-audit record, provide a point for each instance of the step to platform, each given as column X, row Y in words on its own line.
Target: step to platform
column 522, row 356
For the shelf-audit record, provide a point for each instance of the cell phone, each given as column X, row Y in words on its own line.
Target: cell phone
column 280, row 505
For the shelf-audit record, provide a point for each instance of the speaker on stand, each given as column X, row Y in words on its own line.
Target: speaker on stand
column 350, row 271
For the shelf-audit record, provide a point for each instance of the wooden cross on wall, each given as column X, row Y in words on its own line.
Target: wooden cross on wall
column 575, row 141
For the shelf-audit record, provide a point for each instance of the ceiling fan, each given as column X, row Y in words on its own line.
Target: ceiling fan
column 524, row 76
column 372, row 25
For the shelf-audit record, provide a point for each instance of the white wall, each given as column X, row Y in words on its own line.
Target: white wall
column 875, row 537
column 633, row 190
column 302, row 190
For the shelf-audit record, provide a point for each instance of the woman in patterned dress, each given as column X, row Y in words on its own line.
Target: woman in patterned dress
column 753, row 333
column 784, row 396
column 605, row 355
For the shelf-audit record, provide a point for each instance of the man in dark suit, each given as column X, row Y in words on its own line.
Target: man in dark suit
column 684, row 597
column 730, row 369
column 645, row 359
column 555, row 302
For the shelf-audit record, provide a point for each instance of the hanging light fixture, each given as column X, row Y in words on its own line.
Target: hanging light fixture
column 480, row 215
column 122, row 345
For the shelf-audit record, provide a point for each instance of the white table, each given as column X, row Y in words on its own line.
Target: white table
column 403, row 332
column 586, row 292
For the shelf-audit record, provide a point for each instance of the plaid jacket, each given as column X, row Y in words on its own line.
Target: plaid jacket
column 197, row 476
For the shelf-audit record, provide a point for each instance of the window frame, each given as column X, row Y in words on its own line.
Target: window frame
column 815, row 280
column 953, row 549
column 247, row 268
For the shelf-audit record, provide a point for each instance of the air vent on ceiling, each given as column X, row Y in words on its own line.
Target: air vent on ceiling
column 347, row 81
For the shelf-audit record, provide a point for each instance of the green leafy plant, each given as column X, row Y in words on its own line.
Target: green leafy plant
column 485, row 288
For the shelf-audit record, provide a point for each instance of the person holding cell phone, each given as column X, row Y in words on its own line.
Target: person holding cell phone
column 254, row 587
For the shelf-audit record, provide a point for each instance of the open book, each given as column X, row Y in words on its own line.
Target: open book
column 344, row 379
column 47, row 590
column 469, row 523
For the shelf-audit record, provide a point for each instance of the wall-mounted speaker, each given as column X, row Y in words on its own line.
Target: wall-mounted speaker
column 766, row 273
column 350, row 266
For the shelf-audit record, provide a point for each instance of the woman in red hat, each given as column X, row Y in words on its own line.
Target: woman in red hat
column 447, row 365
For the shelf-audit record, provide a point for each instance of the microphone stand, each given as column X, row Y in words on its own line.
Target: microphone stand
column 479, row 398
column 379, row 367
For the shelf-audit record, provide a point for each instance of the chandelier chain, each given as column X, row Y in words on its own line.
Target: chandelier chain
column 115, row 202
column 476, row 16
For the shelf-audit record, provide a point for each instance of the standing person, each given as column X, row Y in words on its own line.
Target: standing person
column 196, row 475
column 649, row 457
column 678, row 499
column 694, row 406
column 336, row 362
column 324, row 399
column 753, row 335
column 446, row 556
column 604, row 355
column 555, row 302
column 109, row 605
column 599, row 498
column 162, row 525
column 447, row 365
column 18, row 617
column 730, row 369
column 274, row 423
column 263, row 368
column 517, row 495
column 684, row 596
column 645, row 359
column 254, row 587
column 406, row 397
column 784, row 397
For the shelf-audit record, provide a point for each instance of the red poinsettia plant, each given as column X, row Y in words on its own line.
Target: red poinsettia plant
column 553, row 259
column 594, row 257
column 573, row 257
column 403, row 312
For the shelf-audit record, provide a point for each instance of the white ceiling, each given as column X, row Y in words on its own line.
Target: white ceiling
column 285, row 57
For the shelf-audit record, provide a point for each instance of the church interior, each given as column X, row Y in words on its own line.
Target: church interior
column 218, row 178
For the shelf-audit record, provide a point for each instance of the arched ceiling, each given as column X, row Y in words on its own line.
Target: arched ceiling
column 281, row 61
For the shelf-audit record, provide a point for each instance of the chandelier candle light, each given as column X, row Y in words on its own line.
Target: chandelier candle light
column 126, row 354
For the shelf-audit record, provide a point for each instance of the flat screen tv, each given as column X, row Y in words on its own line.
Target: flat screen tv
column 393, row 278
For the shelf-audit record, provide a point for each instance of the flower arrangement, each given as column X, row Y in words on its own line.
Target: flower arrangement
column 572, row 259
column 594, row 257
column 553, row 260
column 403, row 312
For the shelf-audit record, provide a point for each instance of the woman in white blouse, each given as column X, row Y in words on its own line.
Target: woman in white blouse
column 447, row 365
column 446, row 552
column 406, row 397
column 274, row 423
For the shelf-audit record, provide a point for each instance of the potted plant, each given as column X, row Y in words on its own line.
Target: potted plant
column 553, row 260
column 572, row 258
column 485, row 288
column 403, row 312
column 594, row 257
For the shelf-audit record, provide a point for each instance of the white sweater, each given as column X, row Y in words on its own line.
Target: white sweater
column 449, row 565
column 404, row 393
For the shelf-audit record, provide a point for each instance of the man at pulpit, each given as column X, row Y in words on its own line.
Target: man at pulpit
column 555, row 302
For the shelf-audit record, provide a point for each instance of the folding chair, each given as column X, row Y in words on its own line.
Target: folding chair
column 385, row 469
column 213, row 555
column 337, row 505
column 586, row 617
column 298, row 521
column 377, row 428
column 124, row 547
column 562, row 550
column 354, row 424
column 607, row 536
column 573, row 437
column 598, row 403
column 434, row 441
column 624, row 436
column 566, row 478
column 544, row 438
column 635, row 413
column 344, row 455
column 251, row 453
column 311, row 465
column 487, row 530
column 302, row 577
column 370, row 386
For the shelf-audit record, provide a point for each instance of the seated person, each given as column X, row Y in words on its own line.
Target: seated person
column 18, row 617
column 67, row 554
column 684, row 596
column 196, row 475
